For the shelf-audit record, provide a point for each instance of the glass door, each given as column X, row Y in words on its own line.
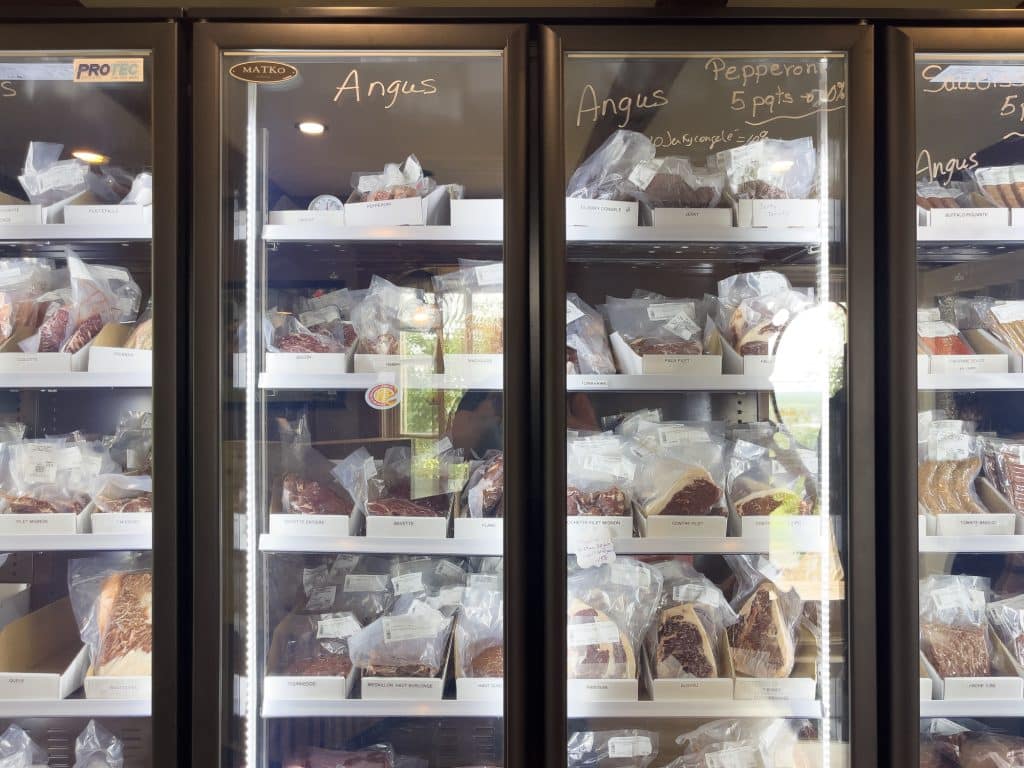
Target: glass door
column 366, row 352
column 88, row 480
column 966, row 162
column 713, row 281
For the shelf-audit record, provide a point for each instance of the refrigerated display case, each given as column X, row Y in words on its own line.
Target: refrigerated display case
column 955, row 361
column 360, row 211
column 707, row 208
column 89, row 396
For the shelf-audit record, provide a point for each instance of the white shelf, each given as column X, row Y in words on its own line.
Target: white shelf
column 781, row 236
column 698, row 546
column 13, row 709
column 971, row 544
column 76, row 380
column 667, row 382
column 74, row 542
column 970, row 381
column 306, row 233
column 121, row 233
column 371, row 708
column 363, row 381
column 695, row 708
column 972, row 708
column 1003, row 234
column 276, row 542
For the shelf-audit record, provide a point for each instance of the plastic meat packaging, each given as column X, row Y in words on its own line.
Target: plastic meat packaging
column 479, row 631
column 954, row 635
column 123, row 494
column 1006, row 617
column 472, row 308
column 376, row 756
column 395, row 182
column 762, row 641
column 1006, row 321
column 683, row 471
column 605, row 175
column 609, row 610
column 314, row 645
column 685, row 637
column 945, row 477
column 411, row 641
column 17, row 750
column 50, row 475
column 672, row 182
column 112, row 598
column 484, row 494
column 586, row 340
column 937, row 337
column 656, row 325
column 315, row 331
column 308, row 486
column 96, row 747
column 21, row 282
column 624, row 748
column 770, row 169
column 47, row 179
column 600, row 472
column 1003, row 185
column 392, row 320
column 387, row 490
column 747, row 743
column 758, row 485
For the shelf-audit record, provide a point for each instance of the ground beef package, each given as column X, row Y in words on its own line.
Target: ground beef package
column 954, row 628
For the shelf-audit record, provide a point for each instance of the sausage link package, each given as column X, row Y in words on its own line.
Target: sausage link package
column 656, row 325
column 770, row 169
column 605, row 175
column 610, row 608
column 954, row 636
column 586, row 340
column 392, row 320
column 472, row 308
column 685, row 638
column 1005, row 319
column 624, row 748
column 17, row 750
column 945, row 477
column 479, row 631
column 683, row 470
column 740, row 743
column 96, row 747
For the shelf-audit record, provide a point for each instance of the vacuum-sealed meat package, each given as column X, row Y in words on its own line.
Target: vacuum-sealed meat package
column 758, row 321
column 17, row 750
column 770, row 169
column 1006, row 617
column 610, row 608
column 96, row 747
column 480, row 631
column 656, row 325
column 403, row 485
column 762, row 641
column 472, row 308
column 946, row 475
column 484, row 494
column 623, row 748
column 683, row 470
column 112, row 597
column 756, row 743
column 131, row 447
column 605, row 174
column 308, row 485
column 123, row 494
column 1003, row 185
column 397, row 181
column 393, row 320
column 758, row 486
column 672, row 182
column 314, row 645
column 937, row 337
column 600, row 470
column 586, row 340
column 50, row 475
column 1006, row 321
column 315, row 331
column 685, row 637
column 411, row 641
column 375, row 756
column 954, row 636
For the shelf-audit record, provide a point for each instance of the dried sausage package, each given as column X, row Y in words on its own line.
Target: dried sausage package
column 472, row 308
column 1005, row 319
column 770, row 169
column 682, row 469
column 96, row 747
column 479, row 630
column 946, row 475
column 112, row 598
column 685, row 637
column 954, row 636
column 624, row 748
column 17, row 750
column 605, row 175
column 586, row 339
column 656, row 325
column 600, row 471
column 610, row 608
column 393, row 320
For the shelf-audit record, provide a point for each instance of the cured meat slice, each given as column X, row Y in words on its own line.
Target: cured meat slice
column 84, row 333
column 400, row 508
column 693, row 493
column 311, row 497
column 608, row 502
column 956, row 651
column 611, row 659
column 770, row 501
column 945, row 487
column 124, row 618
column 684, row 648
column 760, row 642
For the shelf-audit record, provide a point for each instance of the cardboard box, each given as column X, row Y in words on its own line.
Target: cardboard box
column 103, row 215
column 14, row 601
column 479, row 215
column 21, row 214
column 683, row 219
column 1017, row 217
column 1003, row 687
column 407, row 527
column 305, row 218
column 604, row 214
column 778, row 214
column 108, row 355
column 44, row 523
column 41, row 655
column 410, row 211
column 120, row 522
column 629, row 362
column 54, row 214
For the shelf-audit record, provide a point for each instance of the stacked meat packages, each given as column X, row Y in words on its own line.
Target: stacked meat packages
column 95, row 747
column 967, row 744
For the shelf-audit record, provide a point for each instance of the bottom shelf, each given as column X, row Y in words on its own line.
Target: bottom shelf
column 19, row 708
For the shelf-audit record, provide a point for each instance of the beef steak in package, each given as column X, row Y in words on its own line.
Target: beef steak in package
column 759, row 485
column 624, row 748
column 123, row 494
column 682, row 471
column 472, row 308
column 762, row 641
column 954, row 635
column 392, row 320
column 50, row 475
column 314, row 645
column 600, row 471
column 673, row 182
column 21, row 282
column 375, row 756
column 479, row 631
column 484, row 493
column 586, row 340
column 685, row 638
column 403, row 485
column 308, row 486
column 752, row 309
column 605, row 175
column 940, row 743
column 112, row 598
column 410, row 641
column 770, row 169
column 656, row 325
column 610, row 608
column 352, row 584
column 17, row 750
column 738, row 743
column 316, row 331
column 96, row 747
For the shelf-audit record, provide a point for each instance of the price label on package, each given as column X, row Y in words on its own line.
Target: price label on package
column 629, row 746
column 595, row 548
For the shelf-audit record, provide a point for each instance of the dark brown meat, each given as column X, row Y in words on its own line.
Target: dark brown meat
column 84, row 333
column 488, row 662
column 31, row 505
column 53, row 330
column 610, row 502
column 400, row 508
column 324, row 665
column 646, row 346
column 311, row 497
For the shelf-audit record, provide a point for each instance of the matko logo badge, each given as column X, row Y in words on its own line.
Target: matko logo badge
column 383, row 396
column 109, row 70
column 263, row 71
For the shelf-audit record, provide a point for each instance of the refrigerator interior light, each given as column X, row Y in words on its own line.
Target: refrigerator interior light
column 91, row 157
column 311, row 127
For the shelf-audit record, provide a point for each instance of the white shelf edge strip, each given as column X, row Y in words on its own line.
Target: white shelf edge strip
column 17, row 708
column 74, row 380
column 308, row 233
column 273, row 708
column 1005, row 234
column 740, row 235
column 972, row 708
column 75, row 232
column 695, row 708
column 659, row 381
column 968, row 381
column 270, row 542
column 52, row 542
column 971, row 543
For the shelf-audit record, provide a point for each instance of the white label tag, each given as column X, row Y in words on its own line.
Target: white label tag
column 595, row 548
column 359, row 582
column 643, row 174
column 629, row 746
column 572, row 312
column 450, row 595
column 490, row 274
column 369, row 468
column 595, row 633
column 683, row 327
column 408, row 582
column 485, row 580
column 340, row 567
column 447, row 568
column 321, row 598
column 936, row 330
column 616, row 466
column 68, row 458
column 687, row 593
column 630, row 575
column 1010, row 312
column 677, row 434
column 734, row 757
column 37, row 463
column 949, row 598
column 668, row 310
column 338, row 627
column 928, row 314
column 408, row 627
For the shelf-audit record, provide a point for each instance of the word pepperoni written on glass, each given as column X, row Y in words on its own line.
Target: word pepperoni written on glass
column 389, row 91
column 781, row 101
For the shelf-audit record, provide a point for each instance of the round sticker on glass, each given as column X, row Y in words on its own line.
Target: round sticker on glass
column 383, row 396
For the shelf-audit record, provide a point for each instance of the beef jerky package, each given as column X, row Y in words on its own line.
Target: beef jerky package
column 762, row 641
column 392, row 320
column 411, row 641
column 308, row 485
column 672, row 182
column 17, row 750
column 284, row 332
column 605, row 175
column 770, row 169
column 1006, row 617
column 625, row 748
column 484, row 494
column 683, row 471
column 1003, row 185
column 313, row 645
column 123, row 494
column 757, row 485
column 96, row 747
column 758, row 321
column 586, row 340
column 376, row 756
column 954, row 635
column 472, row 308
column 685, row 636
column 480, row 631
column 397, row 181
column 112, row 598
column 610, row 608
column 656, row 325
column 131, row 446
column 728, row 743
column 600, row 471
column 1009, row 461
